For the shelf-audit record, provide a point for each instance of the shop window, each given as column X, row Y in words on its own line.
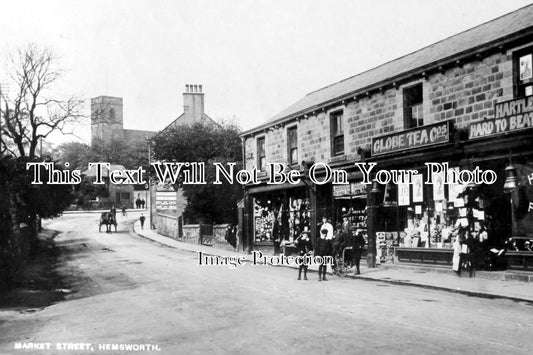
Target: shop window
column 261, row 156
column 125, row 196
column 413, row 112
column 292, row 145
column 523, row 73
column 281, row 218
column 337, row 133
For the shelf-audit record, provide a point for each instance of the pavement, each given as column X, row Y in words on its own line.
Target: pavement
column 496, row 286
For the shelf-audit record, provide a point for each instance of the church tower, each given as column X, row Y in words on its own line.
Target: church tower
column 107, row 121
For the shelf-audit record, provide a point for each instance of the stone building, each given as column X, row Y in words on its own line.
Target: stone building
column 464, row 101
column 169, row 204
column 107, row 121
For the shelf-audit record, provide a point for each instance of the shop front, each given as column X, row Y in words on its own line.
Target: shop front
column 414, row 217
column 504, row 144
column 459, row 182
column 278, row 214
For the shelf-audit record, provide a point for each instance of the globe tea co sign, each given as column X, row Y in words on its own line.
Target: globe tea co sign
column 413, row 138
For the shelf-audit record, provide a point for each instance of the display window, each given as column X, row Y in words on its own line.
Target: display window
column 424, row 215
column 281, row 216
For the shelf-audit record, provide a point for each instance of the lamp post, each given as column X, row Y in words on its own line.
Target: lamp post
column 510, row 185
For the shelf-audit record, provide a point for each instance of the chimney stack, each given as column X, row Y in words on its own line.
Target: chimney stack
column 193, row 101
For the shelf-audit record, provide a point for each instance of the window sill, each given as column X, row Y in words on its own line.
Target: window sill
column 337, row 158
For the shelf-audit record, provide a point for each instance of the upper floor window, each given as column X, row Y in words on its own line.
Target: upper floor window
column 524, row 73
column 292, row 145
column 413, row 113
column 261, row 156
column 337, row 133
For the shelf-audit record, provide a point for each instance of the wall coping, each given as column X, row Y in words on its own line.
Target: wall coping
column 166, row 215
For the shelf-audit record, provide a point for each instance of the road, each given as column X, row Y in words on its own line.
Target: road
column 125, row 289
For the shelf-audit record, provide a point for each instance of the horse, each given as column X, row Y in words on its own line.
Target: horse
column 108, row 219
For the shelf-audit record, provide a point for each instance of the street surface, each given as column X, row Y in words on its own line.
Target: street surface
column 123, row 289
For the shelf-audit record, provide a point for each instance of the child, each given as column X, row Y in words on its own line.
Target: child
column 304, row 248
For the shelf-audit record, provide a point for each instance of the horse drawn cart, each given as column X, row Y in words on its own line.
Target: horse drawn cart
column 108, row 219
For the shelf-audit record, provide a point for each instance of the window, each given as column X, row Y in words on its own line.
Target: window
column 413, row 113
column 125, row 196
column 337, row 133
column 261, row 156
column 292, row 145
column 523, row 73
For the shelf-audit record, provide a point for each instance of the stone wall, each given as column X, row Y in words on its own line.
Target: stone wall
column 191, row 233
column 464, row 93
column 219, row 237
column 166, row 225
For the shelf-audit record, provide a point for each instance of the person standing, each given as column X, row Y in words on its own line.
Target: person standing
column 357, row 249
column 324, row 246
column 346, row 225
column 458, row 258
column 142, row 219
column 339, row 242
column 304, row 248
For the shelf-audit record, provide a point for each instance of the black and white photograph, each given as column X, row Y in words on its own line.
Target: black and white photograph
column 266, row 177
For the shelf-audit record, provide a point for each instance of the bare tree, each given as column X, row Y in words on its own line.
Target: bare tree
column 32, row 113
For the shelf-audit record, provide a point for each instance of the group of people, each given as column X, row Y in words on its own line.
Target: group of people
column 468, row 249
column 331, row 242
column 140, row 203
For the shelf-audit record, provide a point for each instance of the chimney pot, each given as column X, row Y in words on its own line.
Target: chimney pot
column 186, row 88
column 200, row 88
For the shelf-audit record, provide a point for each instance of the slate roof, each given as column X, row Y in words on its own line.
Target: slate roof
column 435, row 54
column 185, row 119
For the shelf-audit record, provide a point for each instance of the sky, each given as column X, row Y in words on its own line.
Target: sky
column 253, row 57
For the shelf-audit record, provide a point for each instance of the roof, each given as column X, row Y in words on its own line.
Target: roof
column 435, row 54
column 135, row 134
column 186, row 119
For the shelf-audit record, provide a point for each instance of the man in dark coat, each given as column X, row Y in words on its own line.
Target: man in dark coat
column 142, row 219
column 358, row 242
column 339, row 243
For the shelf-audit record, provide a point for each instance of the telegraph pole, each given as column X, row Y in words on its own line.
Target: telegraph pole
column 150, row 183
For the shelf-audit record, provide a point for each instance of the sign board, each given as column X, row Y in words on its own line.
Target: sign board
column 353, row 189
column 341, row 190
column 413, row 138
column 510, row 116
column 358, row 189
column 165, row 197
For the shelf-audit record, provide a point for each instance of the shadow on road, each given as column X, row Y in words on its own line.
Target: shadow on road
column 39, row 284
